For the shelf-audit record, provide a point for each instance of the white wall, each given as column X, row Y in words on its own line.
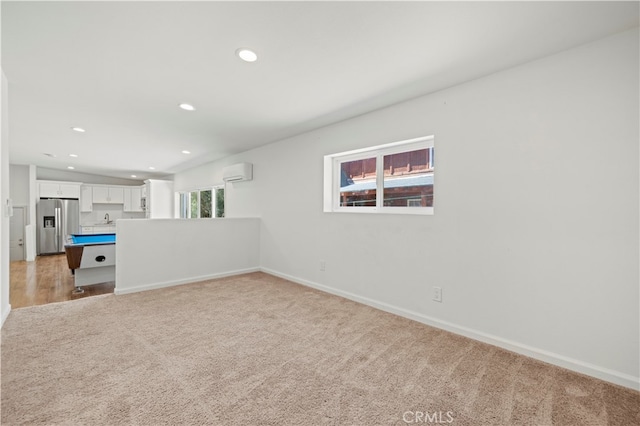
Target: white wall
column 535, row 234
column 155, row 253
column 5, row 307
column 33, row 193
column 19, row 185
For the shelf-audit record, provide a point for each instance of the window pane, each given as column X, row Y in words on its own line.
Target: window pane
column 358, row 183
column 408, row 179
column 205, row 203
column 220, row 202
column 184, row 205
column 194, row 204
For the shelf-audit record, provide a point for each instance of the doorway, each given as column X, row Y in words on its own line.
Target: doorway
column 16, row 234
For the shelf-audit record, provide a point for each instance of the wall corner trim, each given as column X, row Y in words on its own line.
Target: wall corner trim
column 575, row 365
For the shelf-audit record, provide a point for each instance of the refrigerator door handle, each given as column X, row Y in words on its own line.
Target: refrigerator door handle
column 64, row 212
column 58, row 225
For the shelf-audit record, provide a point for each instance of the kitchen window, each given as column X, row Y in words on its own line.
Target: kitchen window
column 391, row 178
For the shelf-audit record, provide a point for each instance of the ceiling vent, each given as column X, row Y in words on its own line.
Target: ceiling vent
column 238, row 172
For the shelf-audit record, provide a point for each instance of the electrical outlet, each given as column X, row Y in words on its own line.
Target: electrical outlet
column 323, row 265
column 437, row 294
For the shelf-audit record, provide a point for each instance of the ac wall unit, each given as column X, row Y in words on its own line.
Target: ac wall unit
column 238, row 172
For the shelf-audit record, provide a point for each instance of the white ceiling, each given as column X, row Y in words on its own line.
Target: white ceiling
column 120, row 69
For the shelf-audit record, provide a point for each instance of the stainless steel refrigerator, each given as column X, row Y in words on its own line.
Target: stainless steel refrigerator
column 57, row 219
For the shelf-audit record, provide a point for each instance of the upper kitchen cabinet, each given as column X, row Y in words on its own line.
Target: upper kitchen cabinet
column 132, row 199
column 108, row 195
column 54, row 189
column 86, row 198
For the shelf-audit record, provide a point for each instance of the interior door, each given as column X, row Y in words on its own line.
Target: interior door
column 16, row 234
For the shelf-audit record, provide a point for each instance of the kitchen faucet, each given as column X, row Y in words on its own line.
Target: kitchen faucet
column 106, row 217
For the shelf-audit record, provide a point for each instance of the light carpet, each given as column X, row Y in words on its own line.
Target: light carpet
column 258, row 350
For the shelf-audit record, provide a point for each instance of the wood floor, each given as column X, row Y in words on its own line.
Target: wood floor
column 47, row 280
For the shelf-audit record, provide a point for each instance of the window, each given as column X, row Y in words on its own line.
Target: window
column 391, row 178
column 358, row 183
column 205, row 203
column 220, row 201
column 201, row 203
column 193, row 210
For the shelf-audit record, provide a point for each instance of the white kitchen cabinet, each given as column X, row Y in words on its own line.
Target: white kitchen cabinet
column 86, row 198
column 53, row 189
column 116, row 195
column 101, row 194
column 127, row 200
column 136, row 199
column 132, row 199
column 47, row 190
column 108, row 195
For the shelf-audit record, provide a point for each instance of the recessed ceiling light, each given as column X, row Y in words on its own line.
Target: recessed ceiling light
column 134, row 176
column 50, row 155
column 70, row 167
column 247, row 55
column 186, row 152
column 78, row 129
column 187, row 107
column 73, row 155
column 152, row 168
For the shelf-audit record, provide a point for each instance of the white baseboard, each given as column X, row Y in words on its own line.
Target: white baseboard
column 5, row 315
column 588, row 369
column 190, row 280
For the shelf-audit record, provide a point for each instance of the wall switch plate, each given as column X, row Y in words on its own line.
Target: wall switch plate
column 323, row 265
column 437, row 294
